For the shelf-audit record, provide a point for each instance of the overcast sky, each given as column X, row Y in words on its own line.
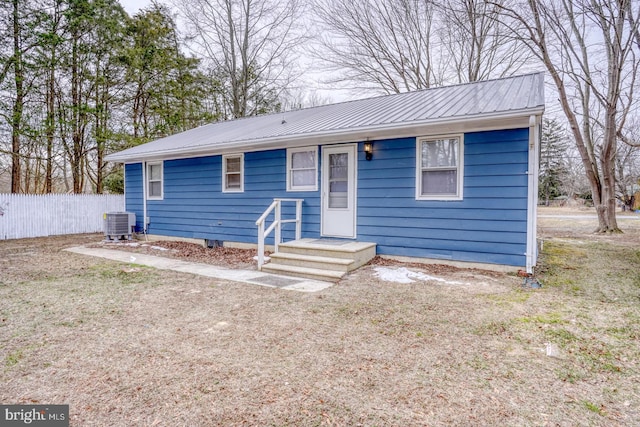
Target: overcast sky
column 132, row 6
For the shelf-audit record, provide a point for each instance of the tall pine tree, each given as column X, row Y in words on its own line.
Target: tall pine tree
column 553, row 150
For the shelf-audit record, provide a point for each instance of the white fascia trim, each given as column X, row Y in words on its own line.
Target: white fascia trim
column 487, row 121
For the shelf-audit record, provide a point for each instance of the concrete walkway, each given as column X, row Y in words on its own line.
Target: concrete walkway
column 253, row 277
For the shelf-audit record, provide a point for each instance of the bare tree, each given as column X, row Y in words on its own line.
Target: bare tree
column 384, row 45
column 574, row 183
column 402, row 45
column 477, row 45
column 250, row 45
column 297, row 98
column 588, row 48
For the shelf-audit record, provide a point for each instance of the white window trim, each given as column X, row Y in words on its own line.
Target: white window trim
column 148, row 179
column 224, row 173
column 290, row 152
column 460, row 174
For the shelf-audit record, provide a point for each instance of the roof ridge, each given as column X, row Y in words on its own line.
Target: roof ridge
column 391, row 95
column 410, row 92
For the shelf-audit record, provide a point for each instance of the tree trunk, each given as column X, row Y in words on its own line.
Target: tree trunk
column 76, row 137
column 16, row 119
column 50, row 125
column 102, row 114
column 233, row 70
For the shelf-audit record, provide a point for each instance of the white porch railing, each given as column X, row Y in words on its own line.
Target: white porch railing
column 276, row 225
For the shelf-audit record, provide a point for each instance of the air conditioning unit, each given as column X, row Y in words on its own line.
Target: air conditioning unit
column 119, row 224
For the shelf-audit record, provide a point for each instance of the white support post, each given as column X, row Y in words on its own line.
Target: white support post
column 298, row 219
column 278, row 236
column 260, row 245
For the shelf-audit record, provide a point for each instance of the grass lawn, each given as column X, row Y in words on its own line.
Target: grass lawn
column 126, row 345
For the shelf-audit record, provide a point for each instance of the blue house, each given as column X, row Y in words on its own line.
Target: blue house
column 447, row 173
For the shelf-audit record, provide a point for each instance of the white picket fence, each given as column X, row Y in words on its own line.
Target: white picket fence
column 31, row 215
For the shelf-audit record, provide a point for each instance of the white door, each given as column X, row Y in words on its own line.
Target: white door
column 339, row 191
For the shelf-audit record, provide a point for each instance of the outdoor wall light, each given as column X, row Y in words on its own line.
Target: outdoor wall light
column 368, row 150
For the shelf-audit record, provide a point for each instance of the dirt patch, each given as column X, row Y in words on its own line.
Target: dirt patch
column 221, row 256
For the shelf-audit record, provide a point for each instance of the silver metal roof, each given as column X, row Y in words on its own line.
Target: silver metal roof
column 430, row 110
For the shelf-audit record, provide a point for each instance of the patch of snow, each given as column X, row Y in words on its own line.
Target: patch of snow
column 118, row 243
column 552, row 350
column 159, row 248
column 404, row 275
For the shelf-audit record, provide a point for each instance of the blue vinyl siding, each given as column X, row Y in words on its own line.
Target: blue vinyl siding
column 488, row 225
column 194, row 205
column 133, row 192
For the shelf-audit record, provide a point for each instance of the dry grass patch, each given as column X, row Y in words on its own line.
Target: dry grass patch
column 129, row 345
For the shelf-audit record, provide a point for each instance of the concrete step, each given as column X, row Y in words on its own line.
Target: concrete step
column 312, row 261
column 309, row 273
column 320, row 259
column 359, row 252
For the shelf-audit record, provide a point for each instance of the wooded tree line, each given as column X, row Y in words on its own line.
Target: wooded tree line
column 81, row 78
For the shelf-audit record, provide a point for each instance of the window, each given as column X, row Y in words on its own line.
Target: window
column 339, row 180
column 233, row 173
column 439, row 168
column 154, row 181
column 302, row 169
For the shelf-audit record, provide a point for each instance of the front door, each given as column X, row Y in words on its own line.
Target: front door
column 339, row 191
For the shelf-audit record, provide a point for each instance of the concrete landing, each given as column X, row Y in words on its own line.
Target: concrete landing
column 242, row 276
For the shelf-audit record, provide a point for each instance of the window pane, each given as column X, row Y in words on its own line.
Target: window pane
column 439, row 182
column 155, row 189
column 338, row 200
column 233, row 181
column 303, row 160
column 338, row 166
column 303, row 178
column 339, row 186
column 439, row 153
column 338, row 192
column 338, row 183
column 233, row 164
column 338, row 159
column 155, row 172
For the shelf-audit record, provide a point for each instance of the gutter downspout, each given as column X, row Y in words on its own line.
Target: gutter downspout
column 532, row 199
column 144, row 198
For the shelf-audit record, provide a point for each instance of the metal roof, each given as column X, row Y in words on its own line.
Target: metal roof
column 518, row 96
